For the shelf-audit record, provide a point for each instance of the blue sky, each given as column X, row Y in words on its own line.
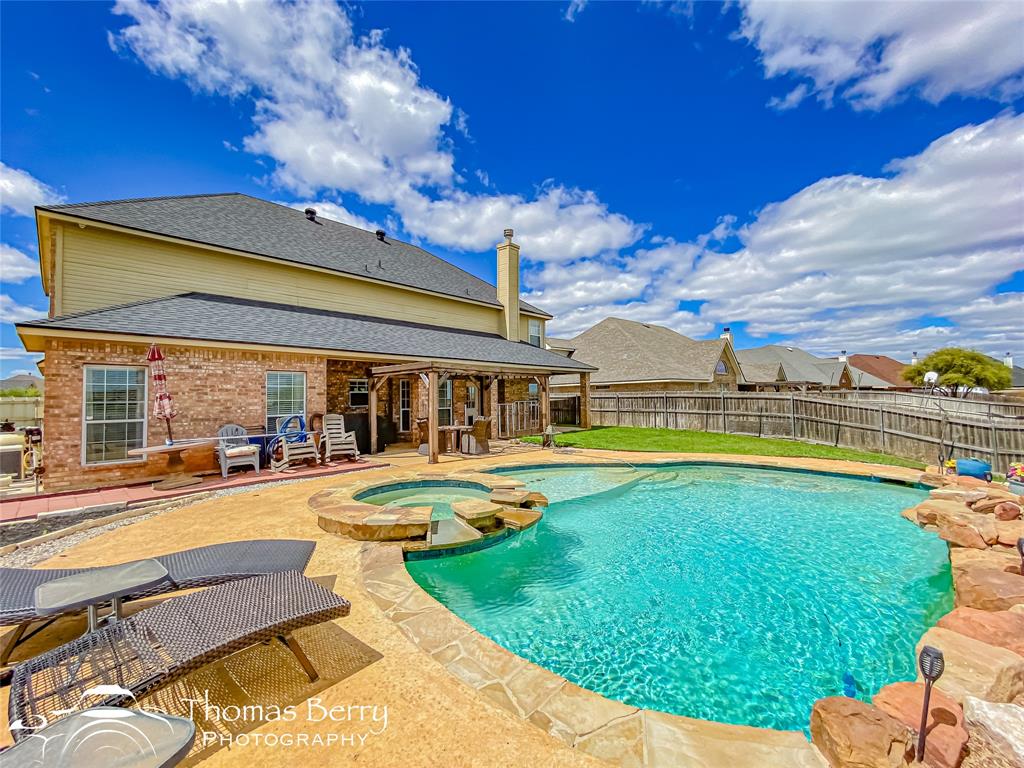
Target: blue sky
column 821, row 175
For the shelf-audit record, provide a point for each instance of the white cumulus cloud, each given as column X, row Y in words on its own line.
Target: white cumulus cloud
column 15, row 266
column 872, row 53
column 20, row 192
column 342, row 113
column 13, row 312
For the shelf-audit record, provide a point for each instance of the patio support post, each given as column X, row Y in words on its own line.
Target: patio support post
column 585, row 401
column 371, row 416
column 432, row 417
column 492, row 405
column 545, row 402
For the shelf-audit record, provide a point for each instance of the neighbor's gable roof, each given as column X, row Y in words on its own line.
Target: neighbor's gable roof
column 799, row 366
column 763, row 373
column 627, row 351
column 887, row 369
column 242, row 223
column 211, row 318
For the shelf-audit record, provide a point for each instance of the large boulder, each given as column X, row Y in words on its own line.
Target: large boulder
column 936, row 479
column 999, row 558
column 1002, row 628
column 986, row 505
column 853, row 734
column 971, row 483
column 974, row 668
column 967, row 530
column 1008, row 531
column 947, row 736
column 963, row 495
column 1007, row 510
column 988, row 589
column 996, row 729
column 930, row 511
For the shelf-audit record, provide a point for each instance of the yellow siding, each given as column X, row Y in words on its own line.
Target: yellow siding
column 100, row 268
column 524, row 328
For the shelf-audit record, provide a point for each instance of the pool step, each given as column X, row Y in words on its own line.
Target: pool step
column 450, row 531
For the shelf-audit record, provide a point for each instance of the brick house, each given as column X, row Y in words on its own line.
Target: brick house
column 264, row 311
column 641, row 357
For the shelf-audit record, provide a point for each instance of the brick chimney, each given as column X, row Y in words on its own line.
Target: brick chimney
column 508, row 286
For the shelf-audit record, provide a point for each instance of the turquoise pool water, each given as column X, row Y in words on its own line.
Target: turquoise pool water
column 438, row 497
column 736, row 595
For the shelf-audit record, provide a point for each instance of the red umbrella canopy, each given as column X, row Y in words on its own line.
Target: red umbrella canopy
column 163, row 403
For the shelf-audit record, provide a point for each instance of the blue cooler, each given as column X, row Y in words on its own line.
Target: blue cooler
column 974, row 468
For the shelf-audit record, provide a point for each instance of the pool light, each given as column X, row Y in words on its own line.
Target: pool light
column 932, row 664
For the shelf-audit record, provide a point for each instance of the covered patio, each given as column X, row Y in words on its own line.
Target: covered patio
column 516, row 410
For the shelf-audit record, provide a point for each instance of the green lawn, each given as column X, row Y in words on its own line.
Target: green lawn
column 686, row 441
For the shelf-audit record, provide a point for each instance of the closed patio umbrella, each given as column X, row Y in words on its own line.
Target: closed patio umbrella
column 163, row 404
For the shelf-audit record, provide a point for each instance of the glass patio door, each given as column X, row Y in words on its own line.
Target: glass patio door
column 404, row 405
column 444, row 403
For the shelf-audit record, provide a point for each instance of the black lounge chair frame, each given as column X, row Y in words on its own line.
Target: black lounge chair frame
column 161, row 644
column 187, row 569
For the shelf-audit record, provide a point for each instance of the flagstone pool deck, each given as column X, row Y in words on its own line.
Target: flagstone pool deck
column 453, row 696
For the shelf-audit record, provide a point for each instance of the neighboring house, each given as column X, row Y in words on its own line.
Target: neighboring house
column 802, row 370
column 264, row 311
column 22, row 381
column 1017, row 377
column 878, row 372
column 763, row 377
column 639, row 357
column 559, row 346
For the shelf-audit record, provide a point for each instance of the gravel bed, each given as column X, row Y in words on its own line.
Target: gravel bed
column 29, row 556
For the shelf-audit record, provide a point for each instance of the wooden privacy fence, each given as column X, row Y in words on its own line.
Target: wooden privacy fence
column 961, row 406
column 565, row 410
column 871, row 426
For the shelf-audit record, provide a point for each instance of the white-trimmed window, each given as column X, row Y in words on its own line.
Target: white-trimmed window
column 721, row 369
column 113, row 413
column 358, row 393
column 286, row 396
column 533, row 390
column 444, row 403
column 535, row 334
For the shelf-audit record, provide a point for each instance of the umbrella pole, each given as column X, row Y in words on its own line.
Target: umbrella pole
column 170, row 437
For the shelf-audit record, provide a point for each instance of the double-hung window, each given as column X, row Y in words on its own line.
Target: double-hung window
column 535, row 334
column 286, row 396
column 114, row 418
column 358, row 393
column 444, row 403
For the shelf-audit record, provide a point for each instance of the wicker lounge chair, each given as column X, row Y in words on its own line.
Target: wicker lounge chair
column 159, row 645
column 235, row 450
column 188, row 569
column 338, row 442
column 295, row 443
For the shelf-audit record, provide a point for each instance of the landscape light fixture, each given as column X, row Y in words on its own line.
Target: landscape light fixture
column 932, row 664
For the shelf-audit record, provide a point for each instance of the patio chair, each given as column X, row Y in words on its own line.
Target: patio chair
column 338, row 442
column 121, row 662
column 235, row 450
column 187, row 569
column 476, row 441
column 295, row 443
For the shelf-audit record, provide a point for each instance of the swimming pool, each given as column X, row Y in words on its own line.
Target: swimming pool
column 440, row 495
column 730, row 594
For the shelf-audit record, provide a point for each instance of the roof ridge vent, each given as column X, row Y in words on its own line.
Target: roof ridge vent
column 310, row 214
column 381, row 234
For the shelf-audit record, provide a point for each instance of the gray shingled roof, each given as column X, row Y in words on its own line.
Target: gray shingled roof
column 763, row 373
column 624, row 350
column 202, row 316
column 799, row 366
column 248, row 224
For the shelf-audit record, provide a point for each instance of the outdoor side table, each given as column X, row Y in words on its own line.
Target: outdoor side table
column 104, row 737
column 91, row 589
column 177, row 477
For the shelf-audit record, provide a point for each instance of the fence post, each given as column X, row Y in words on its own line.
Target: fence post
column 994, row 437
column 618, row 413
column 881, row 423
column 664, row 408
column 725, row 424
column 792, row 415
